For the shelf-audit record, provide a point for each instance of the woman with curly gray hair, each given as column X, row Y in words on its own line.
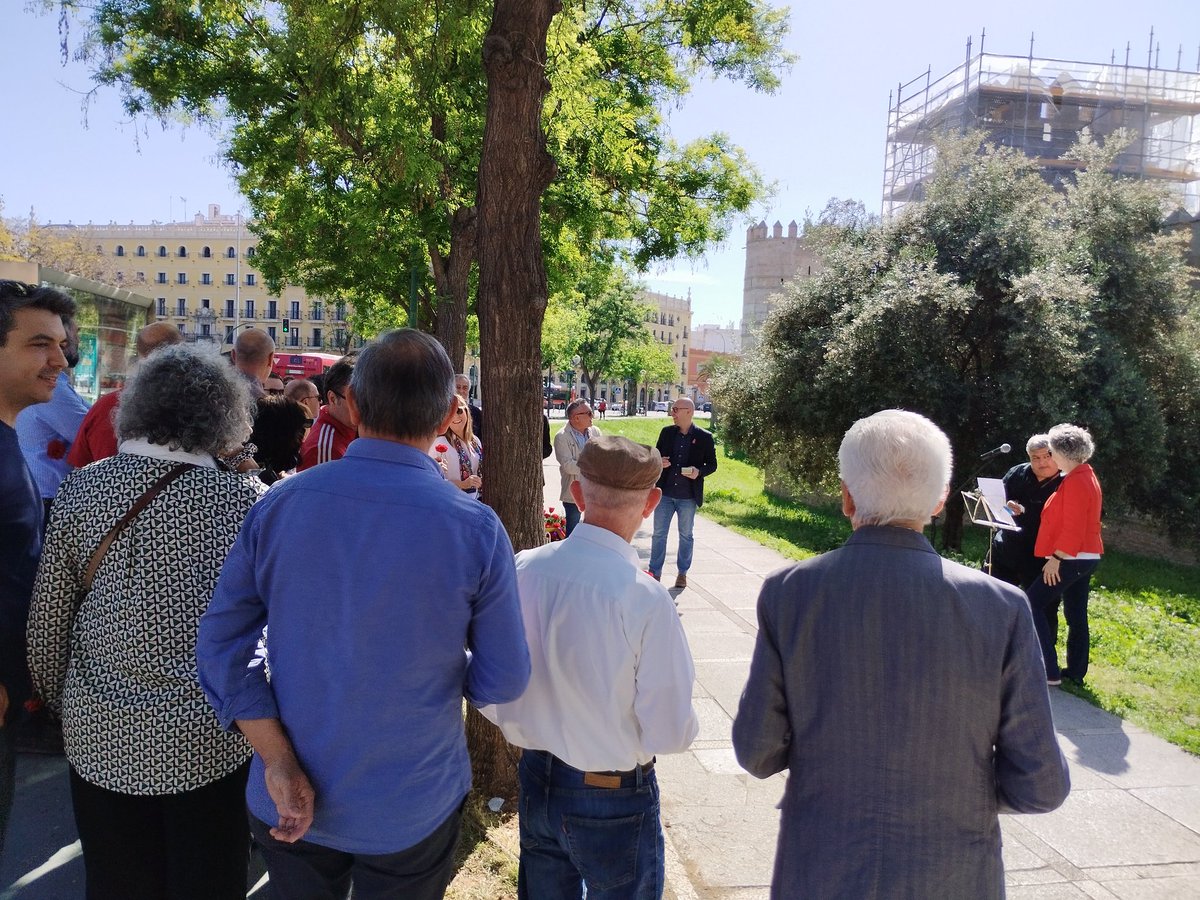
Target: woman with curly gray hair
column 133, row 551
column 1069, row 540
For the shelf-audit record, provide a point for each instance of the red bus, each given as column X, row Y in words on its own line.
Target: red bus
column 302, row 365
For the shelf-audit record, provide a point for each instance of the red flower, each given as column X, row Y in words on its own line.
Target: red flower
column 441, row 448
column 56, row 449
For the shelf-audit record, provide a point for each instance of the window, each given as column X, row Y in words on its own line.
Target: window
column 206, row 252
column 180, row 327
column 295, row 310
column 229, row 310
column 316, row 340
column 339, row 338
column 141, row 277
column 294, row 337
column 229, row 334
column 182, row 252
column 162, row 277
column 161, row 309
column 231, row 280
column 204, row 301
column 141, row 251
column 249, row 279
column 341, row 312
column 182, row 278
column 181, row 307
column 272, row 310
column 317, row 313
column 206, row 330
column 249, row 309
column 162, row 251
column 250, row 252
column 206, row 278
column 120, row 250
column 271, row 331
column 230, row 253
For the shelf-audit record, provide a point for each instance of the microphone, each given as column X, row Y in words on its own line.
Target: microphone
column 999, row 451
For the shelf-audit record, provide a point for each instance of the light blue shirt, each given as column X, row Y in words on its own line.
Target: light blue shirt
column 367, row 624
column 46, row 432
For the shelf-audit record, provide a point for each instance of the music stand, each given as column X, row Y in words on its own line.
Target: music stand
column 985, row 506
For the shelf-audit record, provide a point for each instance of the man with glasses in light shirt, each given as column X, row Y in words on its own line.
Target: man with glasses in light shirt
column 568, row 444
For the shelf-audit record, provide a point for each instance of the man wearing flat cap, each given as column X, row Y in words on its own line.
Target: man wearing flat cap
column 610, row 687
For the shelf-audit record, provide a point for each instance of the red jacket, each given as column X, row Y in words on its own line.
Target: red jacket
column 326, row 441
column 97, row 438
column 1071, row 517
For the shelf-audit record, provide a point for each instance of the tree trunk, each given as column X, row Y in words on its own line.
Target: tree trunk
column 514, row 170
column 452, row 281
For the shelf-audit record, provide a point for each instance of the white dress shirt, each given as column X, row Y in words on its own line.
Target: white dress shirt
column 611, row 682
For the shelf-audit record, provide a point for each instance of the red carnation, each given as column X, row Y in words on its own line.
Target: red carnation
column 441, row 448
column 56, row 449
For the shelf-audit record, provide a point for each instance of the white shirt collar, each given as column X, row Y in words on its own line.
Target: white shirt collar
column 606, row 539
column 143, row 447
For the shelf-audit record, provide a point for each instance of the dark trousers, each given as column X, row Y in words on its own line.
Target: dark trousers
column 1072, row 590
column 573, row 833
column 194, row 844
column 8, row 758
column 572, row 515
column 307, row 871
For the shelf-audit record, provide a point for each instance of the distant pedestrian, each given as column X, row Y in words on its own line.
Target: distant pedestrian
column 334, row 428
column 903, row 693
column 253, row 355
column 611, row 687
column 689, row 455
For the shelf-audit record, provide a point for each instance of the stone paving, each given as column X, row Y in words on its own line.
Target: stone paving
column 1129, row 830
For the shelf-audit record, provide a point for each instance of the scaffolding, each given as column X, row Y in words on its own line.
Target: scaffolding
column 1042, row 107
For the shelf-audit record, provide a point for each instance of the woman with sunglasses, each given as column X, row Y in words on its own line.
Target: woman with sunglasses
column 459, row 453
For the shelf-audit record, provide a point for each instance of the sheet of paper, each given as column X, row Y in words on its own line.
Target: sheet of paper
column 993, row 492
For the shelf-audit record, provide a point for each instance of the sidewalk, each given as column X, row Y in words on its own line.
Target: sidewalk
column 1129, row 830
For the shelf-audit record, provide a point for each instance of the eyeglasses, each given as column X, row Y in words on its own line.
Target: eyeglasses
column 586, row 415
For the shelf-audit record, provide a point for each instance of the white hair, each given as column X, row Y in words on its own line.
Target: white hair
column 896, row 466
column 603, row 496
column 1072, row 442
column 1037, row 442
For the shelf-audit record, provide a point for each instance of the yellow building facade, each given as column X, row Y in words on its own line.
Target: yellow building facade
column 202, row 278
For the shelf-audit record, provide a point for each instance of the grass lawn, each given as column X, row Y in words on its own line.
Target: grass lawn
column 1144, row 613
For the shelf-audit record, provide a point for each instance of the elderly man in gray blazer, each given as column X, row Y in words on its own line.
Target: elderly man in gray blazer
column 904, row 693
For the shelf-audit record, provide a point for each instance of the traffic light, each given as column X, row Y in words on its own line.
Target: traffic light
column 285, row 326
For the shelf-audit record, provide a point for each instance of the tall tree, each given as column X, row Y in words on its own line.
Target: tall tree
column 997, row 308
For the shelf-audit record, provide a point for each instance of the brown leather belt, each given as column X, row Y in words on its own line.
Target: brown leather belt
column 613, row 779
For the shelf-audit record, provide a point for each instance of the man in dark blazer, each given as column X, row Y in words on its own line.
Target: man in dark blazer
column 904, row 693
column 688, row 455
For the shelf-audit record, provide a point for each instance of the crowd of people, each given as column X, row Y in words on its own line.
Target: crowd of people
column 152, row 599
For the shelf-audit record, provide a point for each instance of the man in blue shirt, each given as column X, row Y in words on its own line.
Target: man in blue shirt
column 348, row 678
column 32, row 344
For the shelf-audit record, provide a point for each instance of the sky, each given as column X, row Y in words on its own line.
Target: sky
column 821, row 135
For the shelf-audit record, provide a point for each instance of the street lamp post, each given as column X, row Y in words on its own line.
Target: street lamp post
column 575, row 360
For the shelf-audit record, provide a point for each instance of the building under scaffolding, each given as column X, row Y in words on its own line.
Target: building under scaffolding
column 1042, row 107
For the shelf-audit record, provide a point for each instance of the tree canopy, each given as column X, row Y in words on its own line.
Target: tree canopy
column 997, row 307
column 355, row 129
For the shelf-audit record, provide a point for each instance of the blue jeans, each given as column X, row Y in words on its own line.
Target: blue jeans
column 1075, row 578
column 667, row 507
column 571, row 514
column 574, row 834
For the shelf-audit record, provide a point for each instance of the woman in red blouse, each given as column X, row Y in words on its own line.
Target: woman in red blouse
column 1069, row 540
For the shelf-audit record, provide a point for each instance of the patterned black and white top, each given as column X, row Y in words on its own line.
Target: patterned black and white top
column 123, row 672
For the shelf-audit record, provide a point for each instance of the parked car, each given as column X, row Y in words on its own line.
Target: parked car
column 661, row 406
column 706, row 407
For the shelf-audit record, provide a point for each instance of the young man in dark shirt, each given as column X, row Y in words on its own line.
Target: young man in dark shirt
column 32, row 344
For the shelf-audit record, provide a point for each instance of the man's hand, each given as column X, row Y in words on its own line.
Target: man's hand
column 666, row 463
column 293, row 795
column 290, row 790
column 3, row 704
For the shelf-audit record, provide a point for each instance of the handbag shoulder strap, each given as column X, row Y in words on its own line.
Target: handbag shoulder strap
column 138, row 505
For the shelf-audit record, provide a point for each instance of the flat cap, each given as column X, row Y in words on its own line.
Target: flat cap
column 618, row 462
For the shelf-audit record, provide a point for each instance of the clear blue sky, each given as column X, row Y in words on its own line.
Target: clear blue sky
column 820, row 136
